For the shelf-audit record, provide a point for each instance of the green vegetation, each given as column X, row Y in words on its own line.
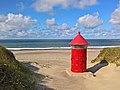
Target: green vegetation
column 13, row 74
column 111, row 55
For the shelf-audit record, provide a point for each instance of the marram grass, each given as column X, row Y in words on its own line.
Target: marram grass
column 111, row 55
column 13, row 74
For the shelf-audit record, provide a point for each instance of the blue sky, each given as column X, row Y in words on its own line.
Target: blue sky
column 95, row 19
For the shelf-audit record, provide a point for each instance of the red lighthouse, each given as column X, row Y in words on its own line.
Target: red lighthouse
column 78, row 54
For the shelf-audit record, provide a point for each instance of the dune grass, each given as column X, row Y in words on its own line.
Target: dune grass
column 111, row 55
column 13, row 74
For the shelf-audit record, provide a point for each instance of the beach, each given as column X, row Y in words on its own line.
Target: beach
column 54, row 63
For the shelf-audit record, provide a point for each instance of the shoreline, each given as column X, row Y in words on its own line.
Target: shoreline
column 59, row 48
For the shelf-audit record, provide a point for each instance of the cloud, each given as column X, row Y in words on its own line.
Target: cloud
column 22, row 33
column 115, row 17
column 90, row 21
column 84, row 3
column 2, row 18
column 49, row 5
column 64, row 26
column 53, row 25
column 116, row 27
column 16, row 25
column 20, row 6
column 50, row 21
column 83, row 23
column 57, row 30
column 15, row 22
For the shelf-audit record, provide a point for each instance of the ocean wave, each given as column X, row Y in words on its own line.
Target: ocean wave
column 58, row 48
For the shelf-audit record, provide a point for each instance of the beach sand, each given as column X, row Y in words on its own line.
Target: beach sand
column 54, row 63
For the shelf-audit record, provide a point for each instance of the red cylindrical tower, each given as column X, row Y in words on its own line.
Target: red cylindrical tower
column 78, row 54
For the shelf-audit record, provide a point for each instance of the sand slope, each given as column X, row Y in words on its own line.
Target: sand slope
column 53, row 64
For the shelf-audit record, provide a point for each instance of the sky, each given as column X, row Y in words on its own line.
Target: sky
column 59, row 19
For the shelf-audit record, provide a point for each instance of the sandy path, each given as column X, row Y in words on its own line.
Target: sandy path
column 53, row 63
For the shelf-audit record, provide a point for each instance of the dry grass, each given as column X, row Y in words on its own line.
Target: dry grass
column 111, row 55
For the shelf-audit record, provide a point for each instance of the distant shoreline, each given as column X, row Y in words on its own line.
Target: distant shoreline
column 55, row 44
column 59, row 48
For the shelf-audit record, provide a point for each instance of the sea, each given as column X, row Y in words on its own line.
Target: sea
column 54, row 43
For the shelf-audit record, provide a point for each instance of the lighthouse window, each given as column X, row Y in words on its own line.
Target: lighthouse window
column 78, row 46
